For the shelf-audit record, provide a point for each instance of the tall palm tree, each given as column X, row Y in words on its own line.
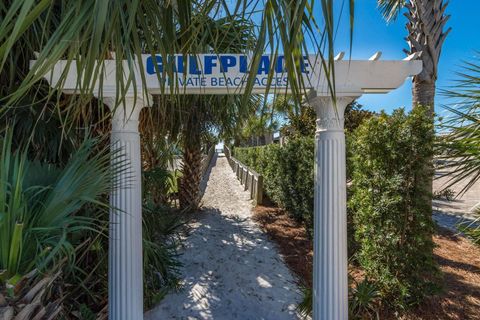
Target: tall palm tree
column 426, row 35
column 226, row 33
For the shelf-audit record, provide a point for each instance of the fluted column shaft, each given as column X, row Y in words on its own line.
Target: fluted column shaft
column 330, row 277
column 125, row 264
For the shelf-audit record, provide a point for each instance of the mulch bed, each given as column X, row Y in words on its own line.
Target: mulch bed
column 458, row 258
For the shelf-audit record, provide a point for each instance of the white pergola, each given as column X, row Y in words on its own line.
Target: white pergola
column 224, row 74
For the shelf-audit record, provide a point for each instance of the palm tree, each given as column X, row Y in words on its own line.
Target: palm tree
column 205, row 114
column 224, row 34
column 426, row 35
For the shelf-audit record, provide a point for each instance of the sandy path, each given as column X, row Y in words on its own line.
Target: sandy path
column 460, row 209
column 231, row 269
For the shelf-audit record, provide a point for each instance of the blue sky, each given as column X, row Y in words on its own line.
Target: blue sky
column 372, row 34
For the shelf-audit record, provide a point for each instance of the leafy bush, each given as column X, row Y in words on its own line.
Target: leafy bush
column 288, row 174
column 391, row 212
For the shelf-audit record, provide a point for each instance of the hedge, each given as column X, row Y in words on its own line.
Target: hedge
column 288, row 175
column 392, row 216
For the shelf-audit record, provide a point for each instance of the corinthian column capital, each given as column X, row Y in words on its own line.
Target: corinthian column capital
column 126, row 112
column 330, row 112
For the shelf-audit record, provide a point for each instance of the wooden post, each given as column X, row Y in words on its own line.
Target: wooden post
column 259, row 191
column 252, row 185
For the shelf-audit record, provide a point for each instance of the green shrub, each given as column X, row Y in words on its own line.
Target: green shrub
column 391, row 212
column 288, row 174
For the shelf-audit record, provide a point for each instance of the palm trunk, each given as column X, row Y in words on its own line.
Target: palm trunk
column 189, row 186
column 423, row 94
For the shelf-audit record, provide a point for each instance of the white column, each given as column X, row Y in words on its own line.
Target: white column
column 125, row 264
column 330, row 277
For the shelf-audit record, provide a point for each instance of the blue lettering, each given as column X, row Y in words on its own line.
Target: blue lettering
column 151, row 64
column 180, row 64
column 279, row 64
column 227, row 62
column 193, row 65
column 264, row 66
column 210, row 62
column 243, row 64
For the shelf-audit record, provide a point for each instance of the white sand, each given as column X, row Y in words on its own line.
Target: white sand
column 231, row 270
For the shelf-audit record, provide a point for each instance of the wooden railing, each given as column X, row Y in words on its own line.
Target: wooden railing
column 250, row 179
column 206, row 161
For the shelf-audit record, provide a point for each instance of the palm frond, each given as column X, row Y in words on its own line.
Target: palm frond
column 459, row 142
column 390, row 8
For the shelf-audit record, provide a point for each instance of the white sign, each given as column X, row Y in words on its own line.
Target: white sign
column 228, row 73
column 212, row 71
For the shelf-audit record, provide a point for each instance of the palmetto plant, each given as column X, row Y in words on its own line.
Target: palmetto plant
column 460, row 141
column 39, row 205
